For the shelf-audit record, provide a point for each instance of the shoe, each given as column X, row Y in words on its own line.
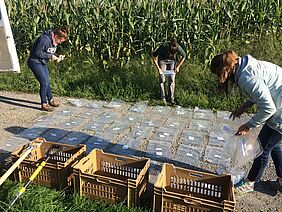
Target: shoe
column 243, row 187
column 172, row 102
column 46, row 107
column 53, row 103
column 163, row 101
column 275, row 184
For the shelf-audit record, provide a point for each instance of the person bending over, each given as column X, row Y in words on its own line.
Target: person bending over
column 43, row 50
column 166, row 63
column 261, row 81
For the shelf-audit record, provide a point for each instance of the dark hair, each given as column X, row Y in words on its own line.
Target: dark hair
column 173, row 46
column 61, row 32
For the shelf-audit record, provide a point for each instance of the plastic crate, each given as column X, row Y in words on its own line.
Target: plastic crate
column 178, row 189
column 112, row 178
column 57, row 173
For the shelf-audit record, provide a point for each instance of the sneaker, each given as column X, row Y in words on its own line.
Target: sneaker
column 53, row 103
column 243, row 187
column 163, row 101
column 275, row 184
column 172, row 102
column 46, row 107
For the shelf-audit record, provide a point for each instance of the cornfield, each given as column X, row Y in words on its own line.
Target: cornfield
column 122, row 29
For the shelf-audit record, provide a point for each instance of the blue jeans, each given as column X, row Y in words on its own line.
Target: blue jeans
column 41, row 73
column 270, row 141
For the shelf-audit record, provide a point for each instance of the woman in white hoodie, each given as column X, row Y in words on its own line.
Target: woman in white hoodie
column 261, row 82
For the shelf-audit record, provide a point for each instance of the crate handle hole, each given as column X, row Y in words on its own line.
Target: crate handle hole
column 192, row 202
column 103, row 181
column 196, row 175
column 120, row 159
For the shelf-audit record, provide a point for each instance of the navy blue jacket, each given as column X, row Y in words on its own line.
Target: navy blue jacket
column 43, row 48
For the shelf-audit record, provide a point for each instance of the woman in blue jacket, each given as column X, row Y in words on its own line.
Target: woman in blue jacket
column 261, row 81
column 44, row 49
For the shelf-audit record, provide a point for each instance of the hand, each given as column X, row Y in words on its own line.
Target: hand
column 242, row 130
column 176, row 69
column 161, row 71
column 60, row 58
column 237, row 113
column 54, row 57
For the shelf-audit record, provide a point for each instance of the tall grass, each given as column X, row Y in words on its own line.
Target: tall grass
column 121, row 29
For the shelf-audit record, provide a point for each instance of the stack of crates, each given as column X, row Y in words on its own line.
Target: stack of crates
column 112, row 178
column 57, row 172
column 178, row 189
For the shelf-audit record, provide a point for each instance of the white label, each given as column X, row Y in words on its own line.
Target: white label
column 158, row 149
column 191, row 138
column 167, row 134
column 159, row 153
column 53, row 134
column 161, row 136
column 125, row 147
column 217, row 156
column 189, row 154
column 220, row 138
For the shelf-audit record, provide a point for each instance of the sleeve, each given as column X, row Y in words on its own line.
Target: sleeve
column 260, row 94
column 40, row 49
column 181, row 51
column 157, row 52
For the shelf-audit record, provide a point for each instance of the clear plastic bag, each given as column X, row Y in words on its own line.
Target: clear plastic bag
column 241, row 150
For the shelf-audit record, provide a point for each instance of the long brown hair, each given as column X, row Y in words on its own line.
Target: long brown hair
column 224, row 66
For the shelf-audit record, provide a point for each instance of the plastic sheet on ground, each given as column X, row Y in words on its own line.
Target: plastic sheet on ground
column 186, row 113
column 216, row 156
column 139, row 107
column 13, row 143
column 115, row 104
column 175, row 123
column 96, row 125
column 86, row 103
column 32, row 133
column 74, row 138
column 203, row 114
column 159, row 150
column 193, row 138
column 161, row 111
column 72, row 123
column 140, row 132
column 152, row 121
column 201, row 125
column 96, row 142
column 126, row 146
column 189, row 155
column 165, row 134
column 54, row 134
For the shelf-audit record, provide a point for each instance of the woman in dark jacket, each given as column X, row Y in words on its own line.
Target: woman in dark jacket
column 44, row 49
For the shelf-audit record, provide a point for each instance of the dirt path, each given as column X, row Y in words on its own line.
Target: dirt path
column 18, row 110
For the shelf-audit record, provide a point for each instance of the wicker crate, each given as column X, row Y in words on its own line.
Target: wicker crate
column 178, row 189
column 57, row 173
column 112, row 178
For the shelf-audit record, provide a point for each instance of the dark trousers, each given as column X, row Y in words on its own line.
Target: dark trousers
column 270, row 140
column 41, row 73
